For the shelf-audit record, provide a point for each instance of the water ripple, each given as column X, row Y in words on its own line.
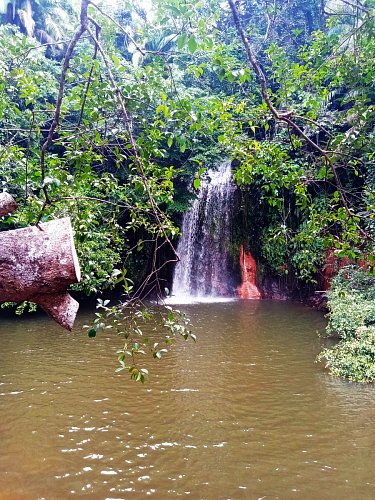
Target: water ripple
column 244, row 413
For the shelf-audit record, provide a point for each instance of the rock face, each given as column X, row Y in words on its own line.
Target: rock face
column 332, row 266
column 38, row 264
column 248, row 288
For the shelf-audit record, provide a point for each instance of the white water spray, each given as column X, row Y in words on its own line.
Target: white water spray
column 202, row 275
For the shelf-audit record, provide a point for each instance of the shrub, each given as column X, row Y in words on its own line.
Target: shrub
column 352, row 316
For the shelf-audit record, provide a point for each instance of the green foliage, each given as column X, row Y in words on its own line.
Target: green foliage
column 353, row 358
column 352, row 317
column 308, row 203
column 20, row 308
column 89, row 174
column 351, row 302
column 137, row 324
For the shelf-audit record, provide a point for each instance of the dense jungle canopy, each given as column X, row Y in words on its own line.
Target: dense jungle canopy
column 111, row 113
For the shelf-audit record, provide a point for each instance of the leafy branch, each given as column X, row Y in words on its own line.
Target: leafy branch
column 287, row 116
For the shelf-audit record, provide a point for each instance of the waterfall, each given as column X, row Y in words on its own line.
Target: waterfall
column 203, row 270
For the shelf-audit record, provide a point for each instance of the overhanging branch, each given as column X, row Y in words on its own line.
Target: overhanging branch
column 287, row 117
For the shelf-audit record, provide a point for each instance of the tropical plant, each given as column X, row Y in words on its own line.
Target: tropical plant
column 352, row 317
column 48, row 20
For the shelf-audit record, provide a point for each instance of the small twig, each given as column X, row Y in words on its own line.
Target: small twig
column 93, row 198
column 357, row 6
column 28, row 155
column 41, row 213
column 26, row 53
column 2, row 129
column 119, row 26
column 314, row 123
column 89, row 79
column 340, row 14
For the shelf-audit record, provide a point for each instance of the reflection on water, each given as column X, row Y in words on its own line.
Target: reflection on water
column 244, row 413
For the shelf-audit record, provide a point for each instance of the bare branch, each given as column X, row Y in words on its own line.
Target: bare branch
column 94, row 198
column 119, row 26
column 128, row 124
column 76, row 37
column 89, row 78
column 48, row 44
column 313, row 122
column 356, row 6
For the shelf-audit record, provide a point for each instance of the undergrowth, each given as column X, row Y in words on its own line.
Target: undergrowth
column 351, row 315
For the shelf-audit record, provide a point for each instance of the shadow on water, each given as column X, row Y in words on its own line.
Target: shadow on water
column 244, row 413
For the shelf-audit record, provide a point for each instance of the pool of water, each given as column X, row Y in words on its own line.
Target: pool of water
column 244, row 413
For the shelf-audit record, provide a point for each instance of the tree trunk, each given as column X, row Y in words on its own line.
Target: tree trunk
column 7, row 204
column 61, row 307
column 38, row 263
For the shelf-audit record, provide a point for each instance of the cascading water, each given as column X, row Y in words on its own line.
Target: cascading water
column 203, row 271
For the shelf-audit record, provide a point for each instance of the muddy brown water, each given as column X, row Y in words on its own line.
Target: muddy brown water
column 244, row 413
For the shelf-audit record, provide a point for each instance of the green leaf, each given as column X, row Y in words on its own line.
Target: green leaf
column 192, row 44
column 116, row 60
column 181, row 41
column 197, row 183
